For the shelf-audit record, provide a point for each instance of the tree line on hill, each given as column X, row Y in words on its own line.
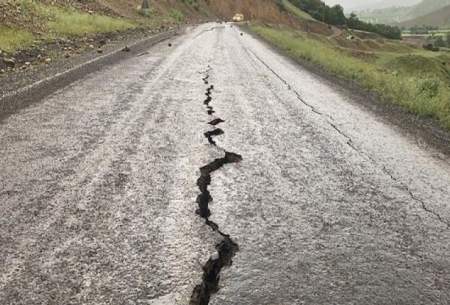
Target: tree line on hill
column 424, row 29
column 335, row 15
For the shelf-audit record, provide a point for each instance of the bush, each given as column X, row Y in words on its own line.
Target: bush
column 176, row 15
column 430, row 47
column 428, row 87
column 391, row 32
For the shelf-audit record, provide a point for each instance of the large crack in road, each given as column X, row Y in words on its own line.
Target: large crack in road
column 103, row 199
column 226, row 248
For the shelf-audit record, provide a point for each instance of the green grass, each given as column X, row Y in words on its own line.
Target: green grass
column 46, row 22
column 425, row 94
column 176, row 15
column 415, row 64
column 295, row 10
column 14, row 39
column 69, row 22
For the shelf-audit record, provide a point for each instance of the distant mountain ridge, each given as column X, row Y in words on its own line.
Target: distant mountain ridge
column 428, row 6
column 399, row 13
column 439, row 18
column 382, row 4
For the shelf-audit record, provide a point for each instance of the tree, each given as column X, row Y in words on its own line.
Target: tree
column 335, row 15
column 145, row 5
column 439, row 42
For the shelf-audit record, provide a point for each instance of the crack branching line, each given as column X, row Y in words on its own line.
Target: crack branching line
column 212, row 133
column 349, row 142
column 208, row 98
column 216, row 122
column 298, row 95
column 226, row 248
column 205, row 79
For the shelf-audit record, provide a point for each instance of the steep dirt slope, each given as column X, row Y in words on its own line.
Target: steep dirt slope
column 267, row 11
column 36, row 32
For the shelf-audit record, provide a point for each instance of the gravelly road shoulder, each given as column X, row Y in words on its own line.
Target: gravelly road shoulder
column 25, row 87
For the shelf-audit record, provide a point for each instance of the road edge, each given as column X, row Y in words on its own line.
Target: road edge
column 15, row 100
column 428, row 130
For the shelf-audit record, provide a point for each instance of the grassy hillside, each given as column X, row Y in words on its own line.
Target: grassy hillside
column 27, row 22
column 288, row 6
column 439, row 18
column 415, row 79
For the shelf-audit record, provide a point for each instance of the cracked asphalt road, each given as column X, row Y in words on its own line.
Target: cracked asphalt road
column 329, row 205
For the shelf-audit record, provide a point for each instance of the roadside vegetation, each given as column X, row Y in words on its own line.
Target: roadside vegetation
column 28, row 22
column 416, row 79
column 36, row 32
column 68, row 22
column 33, row 20
column 12, row 39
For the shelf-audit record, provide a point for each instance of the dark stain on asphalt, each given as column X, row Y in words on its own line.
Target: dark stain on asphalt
column 227, row 248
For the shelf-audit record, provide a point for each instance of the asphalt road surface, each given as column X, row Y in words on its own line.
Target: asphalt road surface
column 303, row 196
